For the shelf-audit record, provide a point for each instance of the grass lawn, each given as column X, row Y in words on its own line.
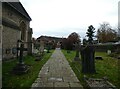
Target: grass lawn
column 16, row 81
column 107, row 67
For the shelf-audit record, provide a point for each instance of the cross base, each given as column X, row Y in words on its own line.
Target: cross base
column 38, row 58
column 20, row 69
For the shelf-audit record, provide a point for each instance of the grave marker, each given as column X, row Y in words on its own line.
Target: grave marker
column 41, row 47
column 40, row 51
column 88, row 63
column 20, row 68
column 77, row 47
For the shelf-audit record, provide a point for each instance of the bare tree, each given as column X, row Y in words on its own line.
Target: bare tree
column 105, row 33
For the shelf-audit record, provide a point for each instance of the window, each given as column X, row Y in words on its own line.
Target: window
column 23, row 30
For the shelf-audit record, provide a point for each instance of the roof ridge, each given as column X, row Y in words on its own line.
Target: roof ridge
column 20, row 9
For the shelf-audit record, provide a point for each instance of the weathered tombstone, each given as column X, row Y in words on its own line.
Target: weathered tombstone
column 94, row 83
column 41, row 47
column 37, row 55
column 88, row 63
column 20, row 68
column 35, row 51
column 108, row 52
column 40, row 52
column 77, row 47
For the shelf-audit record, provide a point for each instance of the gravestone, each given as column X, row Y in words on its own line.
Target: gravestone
column 41, row 47
column 37, row 55
column 35, row 51
column 77, row 47
column 40, row 52
column 95, row 83
column 108, row 52
column 88, row 63
column 20, row 68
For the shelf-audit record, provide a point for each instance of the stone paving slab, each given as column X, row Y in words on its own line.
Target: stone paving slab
column 73, row 85
column 57, row 74
column 61, row 84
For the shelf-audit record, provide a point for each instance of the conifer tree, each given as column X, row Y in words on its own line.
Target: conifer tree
column 90, row 34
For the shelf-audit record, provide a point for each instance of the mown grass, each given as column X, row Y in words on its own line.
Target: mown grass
column 10, row 80
column 108, row 67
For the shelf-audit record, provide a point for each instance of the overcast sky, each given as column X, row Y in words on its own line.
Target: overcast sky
column 62, row 17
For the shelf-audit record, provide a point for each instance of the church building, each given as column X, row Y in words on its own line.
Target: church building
column 15, row 26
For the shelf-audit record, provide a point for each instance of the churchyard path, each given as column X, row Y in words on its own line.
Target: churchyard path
column 57, row 73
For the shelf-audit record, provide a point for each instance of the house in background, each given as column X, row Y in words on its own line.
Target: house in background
column 52, row 41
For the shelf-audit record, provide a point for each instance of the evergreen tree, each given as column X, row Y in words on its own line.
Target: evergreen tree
column 90, row 34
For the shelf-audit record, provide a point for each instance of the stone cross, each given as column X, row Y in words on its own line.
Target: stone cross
column 20, row 68
column 21, row 49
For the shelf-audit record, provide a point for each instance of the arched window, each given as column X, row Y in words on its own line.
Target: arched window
column 23, row 30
